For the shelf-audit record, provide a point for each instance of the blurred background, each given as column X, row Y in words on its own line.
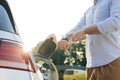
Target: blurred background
column 36, row 19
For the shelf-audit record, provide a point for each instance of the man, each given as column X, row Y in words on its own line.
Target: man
column 101, row 25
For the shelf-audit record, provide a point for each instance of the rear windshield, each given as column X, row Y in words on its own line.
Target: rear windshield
column 5, row 23
column 69, row 72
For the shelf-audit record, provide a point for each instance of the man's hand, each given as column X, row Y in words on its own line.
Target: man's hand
column 74, row 37
column 63, row 44
column 77, row 35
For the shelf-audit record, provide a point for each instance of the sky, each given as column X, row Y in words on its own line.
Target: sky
column 36, row 19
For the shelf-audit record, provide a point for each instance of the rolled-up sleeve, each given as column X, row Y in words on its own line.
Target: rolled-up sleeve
column 112, row 23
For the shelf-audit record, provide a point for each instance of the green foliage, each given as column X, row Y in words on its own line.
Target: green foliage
column 74, row 56
column 34, row 50
column 82, row 77
column 58, row 57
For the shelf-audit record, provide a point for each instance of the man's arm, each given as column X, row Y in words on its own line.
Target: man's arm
column 111, row 24
column 91, row 30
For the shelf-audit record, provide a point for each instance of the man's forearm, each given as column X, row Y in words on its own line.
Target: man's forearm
column 92, row 30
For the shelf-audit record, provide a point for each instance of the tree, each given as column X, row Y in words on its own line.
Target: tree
column 58, row 57
column 74, row 56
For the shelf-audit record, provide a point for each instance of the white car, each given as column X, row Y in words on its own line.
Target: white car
column 15, row 64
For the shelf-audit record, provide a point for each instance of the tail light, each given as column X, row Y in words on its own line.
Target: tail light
column 13, row 56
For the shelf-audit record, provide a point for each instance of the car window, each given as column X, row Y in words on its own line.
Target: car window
column 5, row 23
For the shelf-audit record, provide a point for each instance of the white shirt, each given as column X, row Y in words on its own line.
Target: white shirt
column 102, row 49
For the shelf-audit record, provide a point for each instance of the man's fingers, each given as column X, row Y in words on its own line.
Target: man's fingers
column 63, row 45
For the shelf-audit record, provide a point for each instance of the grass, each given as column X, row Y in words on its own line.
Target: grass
column 83, row 77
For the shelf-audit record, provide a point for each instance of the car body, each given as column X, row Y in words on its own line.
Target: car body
column 15, row 64
column 74, row 74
